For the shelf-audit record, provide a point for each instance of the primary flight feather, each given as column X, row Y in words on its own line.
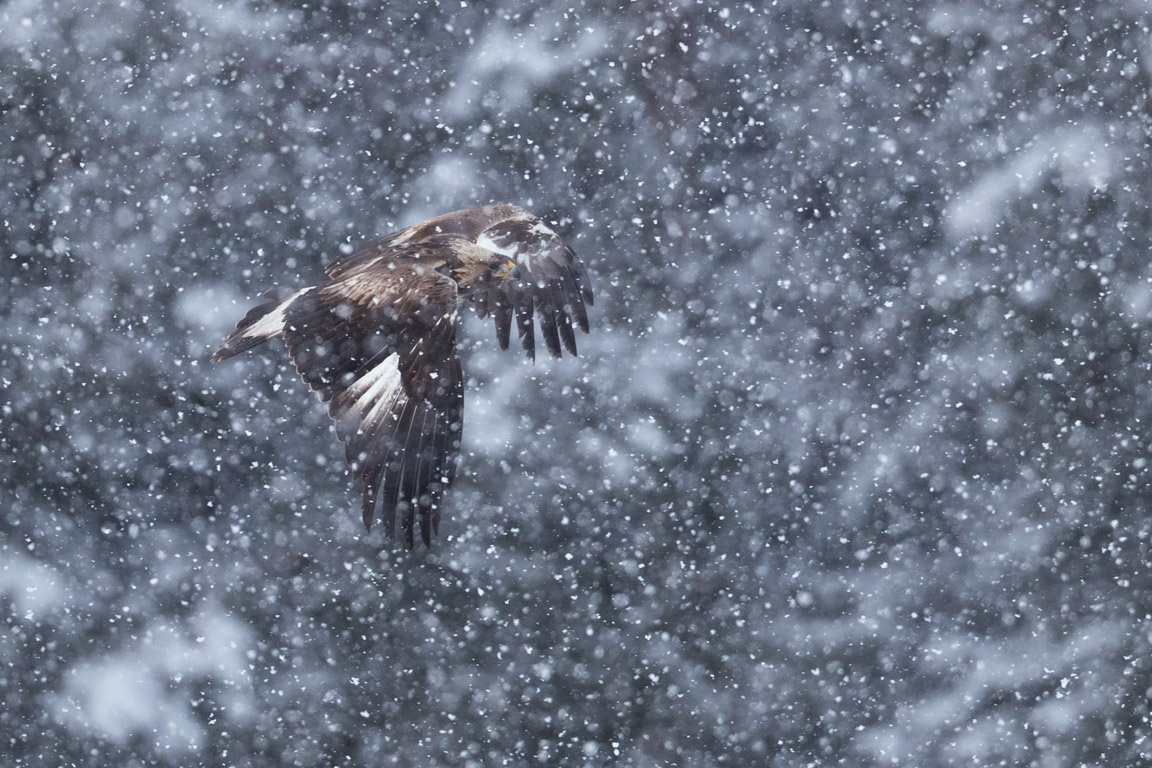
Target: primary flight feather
column 377, row 342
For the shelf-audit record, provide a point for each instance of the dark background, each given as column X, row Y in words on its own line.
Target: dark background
column 853, row 468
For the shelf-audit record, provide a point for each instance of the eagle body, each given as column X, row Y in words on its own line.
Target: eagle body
column 377, row 342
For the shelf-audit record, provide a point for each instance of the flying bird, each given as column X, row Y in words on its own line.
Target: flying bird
column 377, row 342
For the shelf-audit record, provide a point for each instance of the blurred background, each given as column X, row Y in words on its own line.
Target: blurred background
column 853, row 468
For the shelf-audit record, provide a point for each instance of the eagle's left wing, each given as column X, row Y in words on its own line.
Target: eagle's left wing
column 379, row 346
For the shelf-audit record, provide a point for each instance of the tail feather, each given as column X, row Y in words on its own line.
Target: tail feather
column 262, row 323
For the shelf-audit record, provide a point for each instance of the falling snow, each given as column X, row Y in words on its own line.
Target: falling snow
column 852, row 470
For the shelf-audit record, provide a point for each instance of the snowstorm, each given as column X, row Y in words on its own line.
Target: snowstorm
column 851, row 469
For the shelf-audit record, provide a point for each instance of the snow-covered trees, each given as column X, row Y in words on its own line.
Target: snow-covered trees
column 858, row 464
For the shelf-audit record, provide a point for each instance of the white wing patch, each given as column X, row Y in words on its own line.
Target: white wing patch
column 521, row 251
column 486, row 242
column 403, row 236
column 512, row 251
column 272, row 324
column 376, row 391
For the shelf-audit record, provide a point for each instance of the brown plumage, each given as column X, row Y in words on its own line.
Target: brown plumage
column 377, row 342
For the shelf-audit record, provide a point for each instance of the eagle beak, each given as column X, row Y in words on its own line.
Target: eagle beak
column 509, row 271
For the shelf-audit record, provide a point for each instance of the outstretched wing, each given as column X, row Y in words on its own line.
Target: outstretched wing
column 553, row 284
column 380, row 348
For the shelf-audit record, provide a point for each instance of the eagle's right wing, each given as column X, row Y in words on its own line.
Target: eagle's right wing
column 553, row 284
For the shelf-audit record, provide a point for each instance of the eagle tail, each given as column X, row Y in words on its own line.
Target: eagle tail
column 262, row 323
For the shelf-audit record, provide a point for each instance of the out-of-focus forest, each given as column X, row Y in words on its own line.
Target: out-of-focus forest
column 852, row 470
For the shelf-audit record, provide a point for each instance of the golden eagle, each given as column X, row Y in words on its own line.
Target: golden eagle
column 377, row 342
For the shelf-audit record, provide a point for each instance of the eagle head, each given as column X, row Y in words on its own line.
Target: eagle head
column 475, row 266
